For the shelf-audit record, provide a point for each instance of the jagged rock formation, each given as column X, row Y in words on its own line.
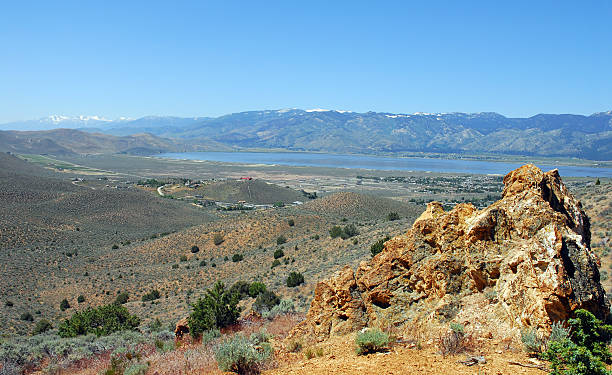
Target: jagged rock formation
column 529, row 254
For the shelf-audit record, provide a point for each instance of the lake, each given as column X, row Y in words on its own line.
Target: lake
column 379, row 162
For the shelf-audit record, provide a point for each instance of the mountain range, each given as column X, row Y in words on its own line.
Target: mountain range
column 588, row 137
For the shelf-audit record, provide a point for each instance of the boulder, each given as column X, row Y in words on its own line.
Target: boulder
column 182, row 328
column 528, row 253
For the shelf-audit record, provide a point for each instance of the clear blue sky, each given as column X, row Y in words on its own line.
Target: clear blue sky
column 129, row 58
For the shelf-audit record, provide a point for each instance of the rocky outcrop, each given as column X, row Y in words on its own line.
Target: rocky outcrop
column 527, row 257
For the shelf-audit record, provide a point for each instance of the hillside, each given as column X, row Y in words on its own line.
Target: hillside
column 95, row 241
column 567, row 135
column 70, row 142
column 250, row 191
column 360, row 206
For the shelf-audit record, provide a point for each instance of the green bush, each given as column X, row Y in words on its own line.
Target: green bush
column 266, row 301
column 240, row 355
column 42, row 326
column 256, row 288
column 237, row 258
column 281, row 240
column 81, row 299
column 27, row 316
column 275, row 263
column 151, row 296
column 371, row 340
column 194, row 249
column 349, row 231
column 279, row 253
column 335, row 231
column 378, row 246
column 240, row 289
column 64, row 305
column 344, row 233
column 586, row 349
column 122, row 298
column 100, row 321
column 217, row 309
column 392, row 216
column 294, row 279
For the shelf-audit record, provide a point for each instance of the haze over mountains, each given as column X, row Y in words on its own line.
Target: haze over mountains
column 588, row 137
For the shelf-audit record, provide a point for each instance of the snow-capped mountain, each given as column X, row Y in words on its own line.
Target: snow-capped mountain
column 60, row 121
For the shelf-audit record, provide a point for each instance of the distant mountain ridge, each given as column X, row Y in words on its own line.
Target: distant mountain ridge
column 568, row 135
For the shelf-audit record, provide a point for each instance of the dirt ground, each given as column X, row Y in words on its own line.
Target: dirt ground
column 339, row 357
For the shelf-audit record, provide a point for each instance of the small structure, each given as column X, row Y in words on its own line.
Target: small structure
column 246, row 178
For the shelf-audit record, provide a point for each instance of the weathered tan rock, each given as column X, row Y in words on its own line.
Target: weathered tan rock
column 182, row 328
column 530, row 251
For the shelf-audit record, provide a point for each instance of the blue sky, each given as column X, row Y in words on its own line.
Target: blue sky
column 131, row 58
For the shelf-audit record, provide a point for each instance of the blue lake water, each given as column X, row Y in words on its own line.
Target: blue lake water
column 380, row 162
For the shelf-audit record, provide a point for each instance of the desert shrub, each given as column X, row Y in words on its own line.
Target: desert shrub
column 155, row 326
column 64, row 305
column 217, row 309
column 586, row 349
column 240, row 289
column 136, row 369
column 218, row 239
column 371, row 340
column 210, row 335
column 392, row 216
column 559, row 332
column 256, row 288
column 532, row 340
column 238, row 354
column 291, row 222
column 194, row 249
column 237, row 258
column 281, row 240
column 122, row 298
column 379, row 245
column 100, row 321
column 183, row 258
column 279, row 253
column 151, row 296
column 81, row 299
column 115, row 247
column 8, row 303
column 260, row 337
column 335, row 231
column 275, row 263
column 454, row 341
column 295, row 346
column 266, row 301
column 285, row 306
column 278, row 204
column 567, row 358
column 202, row 263
column 294, row 279
column 27, row 316
column 42, row 326
column 349, row 231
